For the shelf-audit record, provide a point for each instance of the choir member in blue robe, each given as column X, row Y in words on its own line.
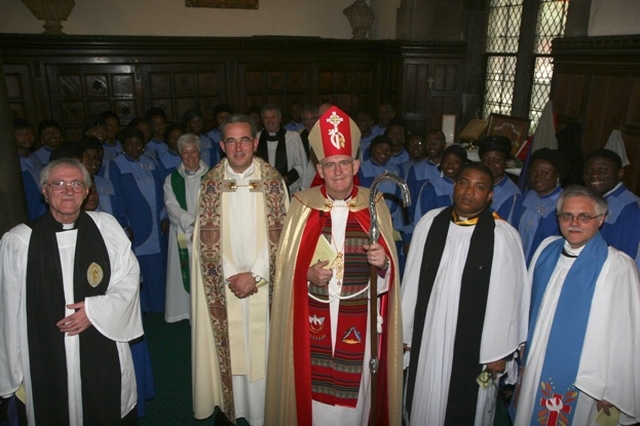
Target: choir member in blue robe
column 380, row 153
column 295, row 114
column 439, row 192
column 91, row 157
column 427, row 169
column 535, row 218
column 385, row 114
column 417, row 153
column 170, row 160
column 137, row 181
column 603, row 172
column 51, row 136
column 210, row 152
column 364, row 120
column 494, row 152
column 397, row 131
column 377, row 165
column 111, row 146
column 157, row 120
column 220, row 113
column 30, row 168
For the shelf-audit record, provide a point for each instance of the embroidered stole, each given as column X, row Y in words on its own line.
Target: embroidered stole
column 463, row 390
column 45, row 304
column 564, row 347
column 179, row 189
column 336, row 375
column 210, row 211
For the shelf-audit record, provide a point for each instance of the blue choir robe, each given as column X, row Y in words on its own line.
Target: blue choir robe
column 433, row 194
column 293, row 126
column 621, row 228
column 42, row 155
column 30, row 168
column 400, row 157
column 418, row 174
column 506, row 196
column 535, row 219
column 365, row 146
column 169, row 161
column 377, row 130
column 110, row 152
column 155, row 148
column 369, row 170
column 210, row 148
column 138, row 187
column 109, row 202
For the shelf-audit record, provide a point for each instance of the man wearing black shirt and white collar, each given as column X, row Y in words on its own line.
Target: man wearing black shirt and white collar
column 281, row 148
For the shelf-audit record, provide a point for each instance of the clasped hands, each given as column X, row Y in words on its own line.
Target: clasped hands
column 242, row 285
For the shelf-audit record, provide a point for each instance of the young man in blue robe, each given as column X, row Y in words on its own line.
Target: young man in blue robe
column 494, row 152
column 603, row 173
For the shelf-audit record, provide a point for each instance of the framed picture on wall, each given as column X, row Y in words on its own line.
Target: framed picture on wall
column 226, row 4
column 516, row 129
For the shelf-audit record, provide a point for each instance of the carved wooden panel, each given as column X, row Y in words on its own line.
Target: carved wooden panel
column 78, row 91
column 597, row 83
column 177, row 87
column 348, row 88
column 20, row 92
column 431, row 89
column 568, row 95
column 280, row 83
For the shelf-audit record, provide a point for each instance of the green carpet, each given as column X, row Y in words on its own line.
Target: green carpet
column 170, row 351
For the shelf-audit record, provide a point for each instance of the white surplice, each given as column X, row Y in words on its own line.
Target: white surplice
column 505, row 323
column 178, row 301
column 115, row 314
column 296, row 157
column 609, row 369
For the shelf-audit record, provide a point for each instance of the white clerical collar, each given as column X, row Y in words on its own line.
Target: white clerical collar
column 243, row 175
column 68, row 226
column 573, row 251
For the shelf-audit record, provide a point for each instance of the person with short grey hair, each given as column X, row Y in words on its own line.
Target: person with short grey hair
column 70, row 302
column 281, row 148
column 581, row 353
column 181, row 189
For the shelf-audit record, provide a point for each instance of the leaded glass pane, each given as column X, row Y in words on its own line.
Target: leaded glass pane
column 541, row 89
column 552, row 17
column 499, row 84
column 503, row 29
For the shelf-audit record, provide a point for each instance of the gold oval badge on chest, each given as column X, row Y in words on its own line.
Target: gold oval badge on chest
column 95, row 274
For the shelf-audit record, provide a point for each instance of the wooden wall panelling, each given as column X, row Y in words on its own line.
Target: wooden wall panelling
column 349, row 87
column 20, row 91
column 608, row 99
column 72, row 77
column 276, row 81
column 568, row 96
column 432, row 85
column 78, row 91
column 176, row 87
column 597, row 83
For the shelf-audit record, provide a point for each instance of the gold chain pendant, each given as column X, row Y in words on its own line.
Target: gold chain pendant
column 338, row 265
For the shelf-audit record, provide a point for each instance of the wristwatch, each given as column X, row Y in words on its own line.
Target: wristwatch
column 256, row 277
